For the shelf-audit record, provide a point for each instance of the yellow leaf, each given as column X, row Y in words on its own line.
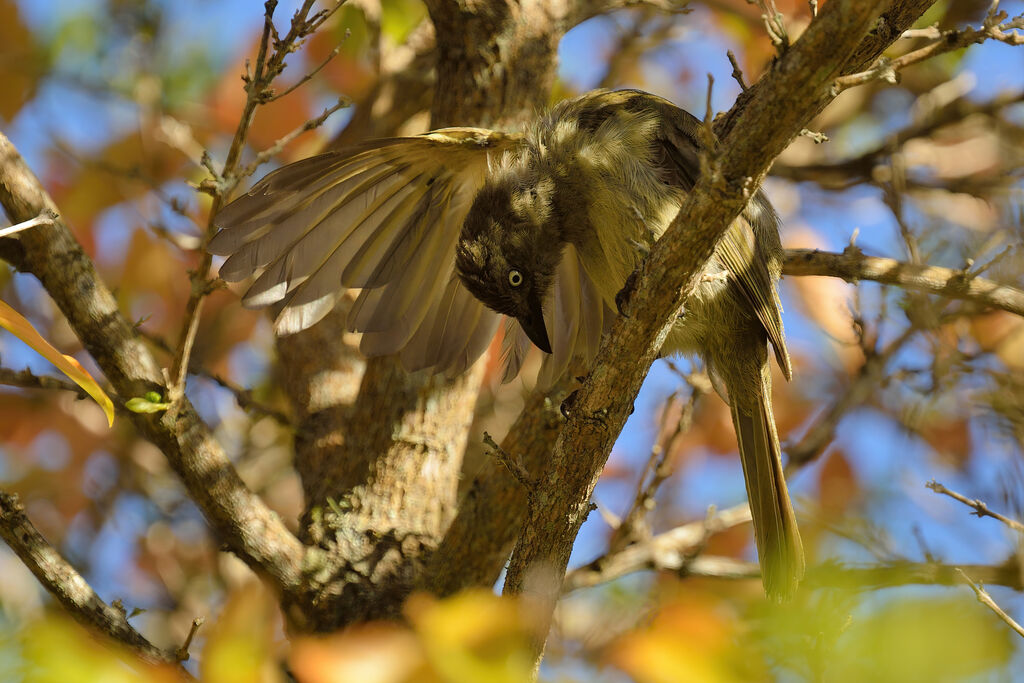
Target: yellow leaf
column 474, row 636
column 22, row 329
column 56, row 650
column 241, row 645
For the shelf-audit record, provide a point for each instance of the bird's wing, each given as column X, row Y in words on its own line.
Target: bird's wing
column 740, row 252
column 382, row 217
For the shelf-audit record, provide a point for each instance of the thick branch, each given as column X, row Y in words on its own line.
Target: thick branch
column 239, row 518
column 67, row 586
column 477, row 544
column 852, row 265
column 755, row 131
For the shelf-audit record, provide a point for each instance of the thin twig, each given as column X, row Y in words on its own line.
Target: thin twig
column 275, row 149
column 181, row 654
column 671, row 550
column 857, row 392
column 737, row 73
column 659, row 467
column 986, row 599
column 305, row 79
column 979, row 507
column 47, row 217
column 993, row 28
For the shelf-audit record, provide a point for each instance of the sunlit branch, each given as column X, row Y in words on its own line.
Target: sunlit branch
column 853, row 265
column 979, row 507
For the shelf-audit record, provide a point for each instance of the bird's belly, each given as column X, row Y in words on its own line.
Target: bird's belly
column 620, row 248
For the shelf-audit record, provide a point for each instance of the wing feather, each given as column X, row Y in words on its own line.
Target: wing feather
column 383, row 217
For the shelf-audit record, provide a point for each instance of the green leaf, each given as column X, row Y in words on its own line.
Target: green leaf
column 139, row 404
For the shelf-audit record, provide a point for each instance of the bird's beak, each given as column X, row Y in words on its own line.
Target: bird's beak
column 533, row 324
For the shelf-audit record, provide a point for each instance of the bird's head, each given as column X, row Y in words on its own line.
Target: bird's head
column 509, row 249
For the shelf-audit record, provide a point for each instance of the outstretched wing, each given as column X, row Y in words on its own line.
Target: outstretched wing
column 382, row 217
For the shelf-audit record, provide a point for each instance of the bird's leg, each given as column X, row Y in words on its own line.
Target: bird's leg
column 643, row 249
column 568, row 403
column 626, row 293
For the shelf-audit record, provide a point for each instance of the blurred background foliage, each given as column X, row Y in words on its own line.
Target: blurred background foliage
column 112, row 103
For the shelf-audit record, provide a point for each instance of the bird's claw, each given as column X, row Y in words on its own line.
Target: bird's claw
column 626, row 293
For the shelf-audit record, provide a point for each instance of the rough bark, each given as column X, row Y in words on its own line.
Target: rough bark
column 382, row 473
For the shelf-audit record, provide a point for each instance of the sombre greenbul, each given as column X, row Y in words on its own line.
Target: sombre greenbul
column 443, row 231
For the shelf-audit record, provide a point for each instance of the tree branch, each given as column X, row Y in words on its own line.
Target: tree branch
column 68, row 587
column 942, row 42
column 240, row 519
column 672, row 550
column 770, row 114
column 852, row 265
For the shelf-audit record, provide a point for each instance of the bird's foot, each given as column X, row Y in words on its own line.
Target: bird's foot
column 626, row 293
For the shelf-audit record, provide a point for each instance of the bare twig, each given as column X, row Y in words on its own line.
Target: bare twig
column 774, row 23
column 737, row 73
column 67, row 586
column 305, row 79
column 275, row 149
column 45, row 218
column 26, row 379
column 853, row 265
column 841, row 175
column 994, row 27
column 821, row 433
column 181, row 654
column 672, row 550
column 633, row 526
column 986, row 599
column 269, row 65
column 979, row 507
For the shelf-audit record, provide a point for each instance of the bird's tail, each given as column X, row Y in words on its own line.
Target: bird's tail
column 779, row 548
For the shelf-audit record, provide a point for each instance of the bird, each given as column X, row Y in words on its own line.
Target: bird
column 444, row 233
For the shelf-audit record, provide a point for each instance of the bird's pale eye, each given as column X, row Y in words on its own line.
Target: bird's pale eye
column 515, row 278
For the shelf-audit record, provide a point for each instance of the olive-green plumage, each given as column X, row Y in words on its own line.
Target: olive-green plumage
column 438, row 231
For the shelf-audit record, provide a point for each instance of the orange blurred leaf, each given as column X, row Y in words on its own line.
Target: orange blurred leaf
column 21, row 63
column 837, row 484
column 685, row 642
column 374, row 653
